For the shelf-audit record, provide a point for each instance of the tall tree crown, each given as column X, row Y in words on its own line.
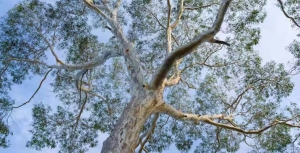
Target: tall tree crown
column 186, row 69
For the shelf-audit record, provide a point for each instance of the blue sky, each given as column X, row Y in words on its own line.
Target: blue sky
column 276, row 35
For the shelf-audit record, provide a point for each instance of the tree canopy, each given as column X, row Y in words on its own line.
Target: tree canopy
column 170, row 72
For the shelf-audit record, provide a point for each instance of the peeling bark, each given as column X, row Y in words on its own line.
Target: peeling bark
column 125, row 136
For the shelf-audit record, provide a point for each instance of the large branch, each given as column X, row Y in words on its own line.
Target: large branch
column 128, row 48
column 282, row 9
column 87, row 65
column 189, row 47
column 196, row 118
column 95, row 8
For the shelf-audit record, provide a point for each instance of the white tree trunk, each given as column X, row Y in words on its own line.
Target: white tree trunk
column 125, row 136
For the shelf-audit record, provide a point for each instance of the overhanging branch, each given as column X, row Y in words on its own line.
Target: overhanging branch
column 282, row 9
column 189, row 47
column 87, row 65
column 196, row 118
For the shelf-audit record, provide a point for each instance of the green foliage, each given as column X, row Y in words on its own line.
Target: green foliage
column 277, row 139
column 4, row 132
column 217, row 75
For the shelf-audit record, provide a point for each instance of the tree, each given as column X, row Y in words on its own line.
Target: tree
column 163, row 76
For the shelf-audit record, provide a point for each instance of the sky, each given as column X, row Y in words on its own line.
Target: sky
column 276, row 33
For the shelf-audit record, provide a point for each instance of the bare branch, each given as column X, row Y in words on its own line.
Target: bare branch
column 189, row 47
column 35, row 91
column 81, row 111
column 173, row 112
column 88, row 65
column 117, row 7
column 181, row 9
column 4, row 69
column 282, row 9
column 93, row 63
column 207, row 65
column 219, row 42
column 78, row 116
column 168, row 30
column 145, row 150
column 128, row 49
column 92, row 6
column 239, row 98
column 173, row 81
column 171, row 27
column 218, row 131
column 169, row 13
column 169, row 110
column 80, row 83
column 31, row 61
column 190, row 86
column 159, row 23
column 109, row 109
column 49, row 45
column 105, row 2
column 149, row 132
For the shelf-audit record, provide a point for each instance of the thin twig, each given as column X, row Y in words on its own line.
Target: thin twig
column 159, row 23
column 4, row 69
column 80, row 89
column 81, row 111
column 35, row 91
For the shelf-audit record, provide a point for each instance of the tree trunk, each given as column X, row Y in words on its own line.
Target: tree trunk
column 125, row 136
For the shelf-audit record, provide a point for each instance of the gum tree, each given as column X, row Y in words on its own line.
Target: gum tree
column 170, row 72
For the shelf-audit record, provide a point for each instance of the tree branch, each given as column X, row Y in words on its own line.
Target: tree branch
column 159, row 23
column 93, row 7
column 282, row 9
column 128, row 49
column 238, row 99
column 149, row 132
column 173, row 81
column 171, row 111
column 169, row 13
column 171, row 27
column 88, row 65
column 181, row 9
column 80, row 112
column 118, row 3
column 219, row 42
column 168, row 30
column 32, row 61
column 49, row 45
column 4, row 69
column 35, row 91
column 80, row 83
column 189, row 47
column 190, row 86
